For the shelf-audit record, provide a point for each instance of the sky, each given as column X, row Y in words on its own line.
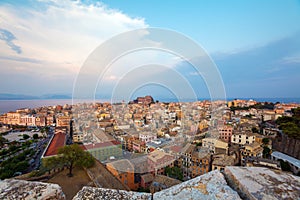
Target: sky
column 255, row 46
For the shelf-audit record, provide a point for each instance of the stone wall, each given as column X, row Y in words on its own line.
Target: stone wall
column 287, row 145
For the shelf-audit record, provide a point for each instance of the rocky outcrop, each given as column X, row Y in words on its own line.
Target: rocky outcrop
column 253, row 183
column 208, row 186
column 19, row 189
column 262, row 183
column 112, row 194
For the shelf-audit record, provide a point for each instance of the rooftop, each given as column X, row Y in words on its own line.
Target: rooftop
column 147, row 177
column 164, row 181
column 123, row 165
column 285, row 157
column 102, row 144
column 58, row 140
column 157, row 155
column 223, row 161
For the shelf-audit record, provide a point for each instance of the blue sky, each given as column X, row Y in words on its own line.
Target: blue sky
column 255, row 44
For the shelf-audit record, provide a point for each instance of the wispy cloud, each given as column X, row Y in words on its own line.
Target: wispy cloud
column 8, row 37
column 56, row 37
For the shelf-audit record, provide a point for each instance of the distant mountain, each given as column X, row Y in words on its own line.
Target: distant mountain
column 56, row 96
column 7, row 96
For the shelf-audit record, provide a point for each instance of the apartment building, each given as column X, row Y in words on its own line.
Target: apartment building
column 193, row 161
column 158, row 160
column 216, row 146
column 226, row 133
column 243, row 138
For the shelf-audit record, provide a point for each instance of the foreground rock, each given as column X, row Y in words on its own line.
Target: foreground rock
column 263, row 183
column 208, row 186
column 19, row 189
column 251, row 183
column 111, row 194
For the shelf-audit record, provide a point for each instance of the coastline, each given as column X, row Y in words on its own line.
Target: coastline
column 12, row 105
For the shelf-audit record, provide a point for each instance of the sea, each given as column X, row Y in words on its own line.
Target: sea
column 13, row 105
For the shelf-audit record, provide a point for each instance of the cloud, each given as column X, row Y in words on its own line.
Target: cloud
column 268, row 70
column 8, row 37
column 56, row 37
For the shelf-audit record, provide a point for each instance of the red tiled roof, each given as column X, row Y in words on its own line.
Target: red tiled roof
column 102, row 144
column 59, row 140
column 82, row 147
column 175, row 148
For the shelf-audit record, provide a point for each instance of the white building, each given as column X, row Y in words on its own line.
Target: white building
column 147, row 136
column 242, row 138
column 27, row 120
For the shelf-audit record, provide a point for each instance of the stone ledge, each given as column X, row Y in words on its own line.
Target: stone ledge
column 19, row 189
column 208, row 186
column 262, row 183
column 111, row 194
column 251, row 183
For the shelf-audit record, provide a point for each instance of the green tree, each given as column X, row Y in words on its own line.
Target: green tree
column 265, row 141
column 73, row 155
column 2, row 140
column 35, row 136
column 266, row 152
column 25, row 136
column 291, row 129
column 174, row 172
column 51, row 163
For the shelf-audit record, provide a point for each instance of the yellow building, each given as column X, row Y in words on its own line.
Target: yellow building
column 253, row 150
column 215, row 145
column 203, row 125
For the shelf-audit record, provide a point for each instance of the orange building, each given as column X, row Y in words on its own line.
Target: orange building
column 193, row 161
column 124, row 171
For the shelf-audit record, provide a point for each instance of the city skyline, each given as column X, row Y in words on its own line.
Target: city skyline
column 256, row 46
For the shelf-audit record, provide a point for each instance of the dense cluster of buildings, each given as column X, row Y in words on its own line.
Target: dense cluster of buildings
column 59, row 116
column 140, row 140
